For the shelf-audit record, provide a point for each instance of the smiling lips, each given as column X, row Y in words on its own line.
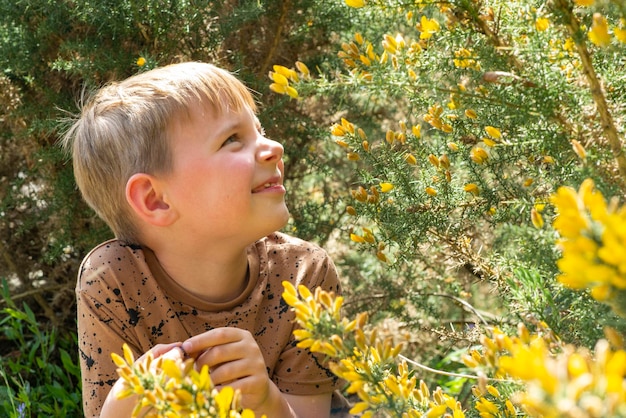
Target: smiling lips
column 266, row 186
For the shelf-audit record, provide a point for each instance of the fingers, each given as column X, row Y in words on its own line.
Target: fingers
column 197, row 344
column 230, row 353
column 175, row 353
column 229, row 365
column 234, row 359
column 160, row 349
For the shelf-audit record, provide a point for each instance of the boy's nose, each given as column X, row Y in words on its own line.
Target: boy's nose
column 269, row 150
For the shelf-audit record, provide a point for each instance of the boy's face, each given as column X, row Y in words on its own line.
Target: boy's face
column 227, row 177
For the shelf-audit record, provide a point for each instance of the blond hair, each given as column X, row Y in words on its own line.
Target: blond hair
column 123, row 130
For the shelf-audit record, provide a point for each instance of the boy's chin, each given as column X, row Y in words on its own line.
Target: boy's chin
column 279, row 223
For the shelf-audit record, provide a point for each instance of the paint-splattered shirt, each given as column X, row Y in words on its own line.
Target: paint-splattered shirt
column 125, row 296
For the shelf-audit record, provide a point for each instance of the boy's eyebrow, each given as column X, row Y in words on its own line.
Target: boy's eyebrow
column 235, row 125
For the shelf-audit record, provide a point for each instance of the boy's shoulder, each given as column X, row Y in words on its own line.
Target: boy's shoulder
column 111, row 253
column 112, row 248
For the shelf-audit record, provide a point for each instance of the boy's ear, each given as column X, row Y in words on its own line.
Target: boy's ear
column 144, row 195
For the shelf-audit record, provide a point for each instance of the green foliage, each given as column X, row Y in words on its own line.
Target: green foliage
column 38, row 367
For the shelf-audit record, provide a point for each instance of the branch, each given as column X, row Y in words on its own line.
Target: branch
column 461, row 375
column 608, row 125
column 277, row 36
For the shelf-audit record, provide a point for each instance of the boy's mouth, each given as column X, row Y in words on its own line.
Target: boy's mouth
column 265, row 186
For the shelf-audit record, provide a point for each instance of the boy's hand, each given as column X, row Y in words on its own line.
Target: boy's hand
column 235, row 360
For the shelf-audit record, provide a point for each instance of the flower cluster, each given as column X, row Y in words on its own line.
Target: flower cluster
column 174, row 388
column 369, row 364
column 593, row 242
column 556, row 380
column 600, row 33
column 283, row 78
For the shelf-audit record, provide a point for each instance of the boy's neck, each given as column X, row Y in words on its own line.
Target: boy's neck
column 211, row 275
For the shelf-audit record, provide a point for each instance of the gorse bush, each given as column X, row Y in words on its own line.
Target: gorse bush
column 458, row 121
column 464, row 119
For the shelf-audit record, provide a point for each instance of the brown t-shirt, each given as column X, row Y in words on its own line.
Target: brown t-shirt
column 125, row 296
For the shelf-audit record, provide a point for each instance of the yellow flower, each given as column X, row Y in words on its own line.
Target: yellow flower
column 279, row 78
column 430, row 191
column 433, row 160
column 337, row 130
column 284, row 89
column 436, row 411
column 471, row 114
column 599, row 32
column 542, row 24
column 620, row 34
column 493, row 132
column 536, row 218
column 489, row 142
column 579, row 149
column 347, row 125
column 472, row 188
column 172, row 369
column 278, row 88
column 463, row 58
column 141, row 61
column 355, row 3
column 584, row 2
column 287, row 72
column 224, row 400
column 486, row 408
column 577, row 365
column 479, row 155
column 291, row 92
column 428, row 27
column 304, row 70
column 357, row 238
column 386, row 187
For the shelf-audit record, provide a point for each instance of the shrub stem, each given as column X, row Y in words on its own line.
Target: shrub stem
column 608, row 124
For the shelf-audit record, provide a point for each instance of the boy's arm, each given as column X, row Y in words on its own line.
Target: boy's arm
column 310, row 405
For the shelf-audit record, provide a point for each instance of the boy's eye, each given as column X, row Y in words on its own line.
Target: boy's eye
column 231, row 139
column 261, row 130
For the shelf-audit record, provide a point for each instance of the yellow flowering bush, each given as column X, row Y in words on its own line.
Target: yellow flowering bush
column 463, row 130
column 368, row 363
column 593, row 243
column 454, row 123
column 174, row 388
column 543, row 376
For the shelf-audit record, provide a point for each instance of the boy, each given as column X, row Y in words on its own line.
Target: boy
column 177, row 164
